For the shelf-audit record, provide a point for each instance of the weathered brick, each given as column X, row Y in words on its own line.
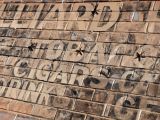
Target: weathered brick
column 118, row 72
column 7, row 116
column 100, row 96
column 23, row 117
column 153, row 90
column 45, row 34
column 86, row 69
column 112, row 37
column 153, row 16
column 8, row 15
column 67, row 115
column 150, row 104
column 149, row 77
column 34, row 34
column 97, row 82
column 60, row 35
column 102, row 26
column 146, row 62
column 116, row 112
column 89, row 107
column 131, row 27
column 136, row 6
column 154, row 27
column 77, row 25
column 73, row 46
column 123, row 49
column 72, row 92
column 4, row 102
column 133, row 16
column 21, row 107
column 54, row 89
column 105, row 80
column 114, row 98
column 88, row 6
column 130, row 87
column 42, row 111
column 61, row 102
column 152, row 39
column 3, row 60
column 157, row 68
column 145, row 115
column 74, row 56
column 96, row 118
column 86, row 94
column 65, row 67
column 23, row 63
column 85, row 36
column 157, row 5
column 27, row 15
column 53, row 54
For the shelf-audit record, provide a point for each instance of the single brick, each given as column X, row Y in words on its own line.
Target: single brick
column 21, row 107
column 89, row 107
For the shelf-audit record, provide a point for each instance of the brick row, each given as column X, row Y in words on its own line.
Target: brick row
column 125, row 87
column 40, row 37
column 81, row 69
column 111, row 111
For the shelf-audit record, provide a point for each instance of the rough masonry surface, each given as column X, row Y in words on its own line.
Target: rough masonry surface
column 79, row 60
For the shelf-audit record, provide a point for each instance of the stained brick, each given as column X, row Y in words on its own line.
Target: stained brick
column 61, row 114
column 117, row 72
column 21, row 107
column 89, row 107
column 146, row 62
column 131, row 87
column 154, row 27
column 77, row 25
column 150, row 104
column 86, row 94
column 22, row 117
column 54, row 89
column 4, row 102
column 112, row 37
column 62, row 102
column 99, row 83
column 153, row 16
column 153, row 90
column 79, row 59
column 157, row 65
column 136, row 6
column 116, row 112
column 81, row 93
column 7, row 116
column 131, row 27
column 157, row 5
column 100, row 96
column 72, row 92
column 152, row 39
column 45, row 34
column 42, row 111
column 133, row 16
column 34, row 34
column 96, row 118
column 123, row 49
column 145, row 115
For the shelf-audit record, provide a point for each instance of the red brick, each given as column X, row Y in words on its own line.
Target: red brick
column 43, row 111
column 21, row 107
column 6, row 115
column 4, row 102
column 89, row 107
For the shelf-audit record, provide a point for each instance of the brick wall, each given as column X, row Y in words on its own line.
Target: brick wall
column 79, row 60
